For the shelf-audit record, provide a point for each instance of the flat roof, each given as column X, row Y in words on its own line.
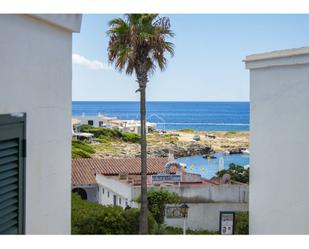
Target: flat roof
column 278, row 54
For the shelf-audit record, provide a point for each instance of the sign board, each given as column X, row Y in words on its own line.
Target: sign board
column 227, row 223
column 173, row 212
column 166, row 178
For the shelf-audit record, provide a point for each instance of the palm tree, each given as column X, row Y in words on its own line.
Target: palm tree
column 138, row 44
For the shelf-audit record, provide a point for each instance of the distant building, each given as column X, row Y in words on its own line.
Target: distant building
column 117, row 182
column 35, row 122
column 114, row 123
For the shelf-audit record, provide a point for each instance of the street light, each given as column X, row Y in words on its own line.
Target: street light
column 184, row 208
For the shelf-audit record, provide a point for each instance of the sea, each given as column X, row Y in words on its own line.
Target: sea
column 202, row 116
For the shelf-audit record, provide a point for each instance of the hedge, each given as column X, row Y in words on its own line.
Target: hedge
column 92, row 218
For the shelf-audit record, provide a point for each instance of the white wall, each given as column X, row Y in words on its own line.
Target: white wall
column 279, row 136
column 114, row 187
column 205, row 216
column 215, row 193
column 35, row 78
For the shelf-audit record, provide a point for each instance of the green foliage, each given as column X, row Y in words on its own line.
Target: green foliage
column 131, row 137
column 92, row 218
column 104, row 135
column 238, row 173
column 231, row 132
column 167, row 230
column 101, row 132
column 242, row 223
column 81, row 150
column 187, row 130
column 157, row 199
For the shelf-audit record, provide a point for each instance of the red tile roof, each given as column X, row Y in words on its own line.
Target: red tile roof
column 84, row 169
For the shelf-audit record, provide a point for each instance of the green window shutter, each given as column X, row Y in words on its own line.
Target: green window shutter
column 12, row 174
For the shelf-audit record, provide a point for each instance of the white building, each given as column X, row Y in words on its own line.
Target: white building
column 35, row 123
column 117, row 182
column 97, row 121
column 279, row 117
column 133, row 126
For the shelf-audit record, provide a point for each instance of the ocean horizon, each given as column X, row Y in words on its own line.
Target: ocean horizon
column 175, row 115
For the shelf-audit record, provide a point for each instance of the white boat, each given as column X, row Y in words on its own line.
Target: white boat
column 246, row 151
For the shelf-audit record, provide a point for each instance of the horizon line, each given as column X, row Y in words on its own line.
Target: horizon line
column 161, row 100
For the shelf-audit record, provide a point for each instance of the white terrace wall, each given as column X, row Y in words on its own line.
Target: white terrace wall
column 279, row 138
column 35, row 78
column 213, row 193
column 205, row 216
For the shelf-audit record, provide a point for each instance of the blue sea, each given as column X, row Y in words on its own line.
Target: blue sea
column 208, row 116
column 208, row 168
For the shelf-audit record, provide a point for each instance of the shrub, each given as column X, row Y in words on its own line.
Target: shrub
column 242, row 223
column 92, row 218
column 97, row 132
column 157, row 199
column 238, row 173
column 81, row 150
column 131, row 137
column 187, row 130
column 167, row 230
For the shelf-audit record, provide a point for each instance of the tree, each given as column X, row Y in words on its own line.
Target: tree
column 157, row 200
column 238, row 173
column 138, row 44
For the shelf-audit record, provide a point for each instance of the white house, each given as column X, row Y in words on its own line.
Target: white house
column 279, row 135
column 133, row 126
column 35, row 123
column 117, row 182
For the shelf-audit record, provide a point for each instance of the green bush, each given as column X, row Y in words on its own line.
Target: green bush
column 81, row 150
column 189, row 130
column 237, row 172
column 157, row 199
column 167, row 230
column 242, row 223
column 97, row 132
column 131, row 137
column 92, row 218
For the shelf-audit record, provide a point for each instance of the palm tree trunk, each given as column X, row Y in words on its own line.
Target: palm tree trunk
column 143, row 229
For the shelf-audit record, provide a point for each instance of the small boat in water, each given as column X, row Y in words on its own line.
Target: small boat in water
column 246, row 151
column 209, row 157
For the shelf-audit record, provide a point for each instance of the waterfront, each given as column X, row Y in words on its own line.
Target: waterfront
column 169, row 115
column 208, row 167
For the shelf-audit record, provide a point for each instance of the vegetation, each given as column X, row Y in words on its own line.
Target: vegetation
column 238, row 173
column 242, row 223
column 92, row 218
column 105, row 135
column 231, row 132
column 157, row 199
column 81, row 150
column 187, row 130
column 137, row 44
column 167, row 230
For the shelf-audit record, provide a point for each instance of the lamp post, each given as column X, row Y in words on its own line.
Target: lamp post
column 184, row 208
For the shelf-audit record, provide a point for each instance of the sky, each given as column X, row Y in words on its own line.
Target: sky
column 208, row 63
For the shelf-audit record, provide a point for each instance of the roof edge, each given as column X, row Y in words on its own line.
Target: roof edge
column 278, row 54
column 70, row 22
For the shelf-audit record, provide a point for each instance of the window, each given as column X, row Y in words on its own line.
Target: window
column 90, row 122
column 12, row 163
column 103, row 191
column 108, row 194
column 100, row 123
column 119, row 201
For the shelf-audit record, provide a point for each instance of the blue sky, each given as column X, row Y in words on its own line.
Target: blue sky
column 207, row 65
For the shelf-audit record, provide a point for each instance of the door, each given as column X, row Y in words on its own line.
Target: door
column 12, row 163
column 115, row 200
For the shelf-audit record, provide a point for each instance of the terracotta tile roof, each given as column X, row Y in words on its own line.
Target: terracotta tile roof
column 84, row 169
